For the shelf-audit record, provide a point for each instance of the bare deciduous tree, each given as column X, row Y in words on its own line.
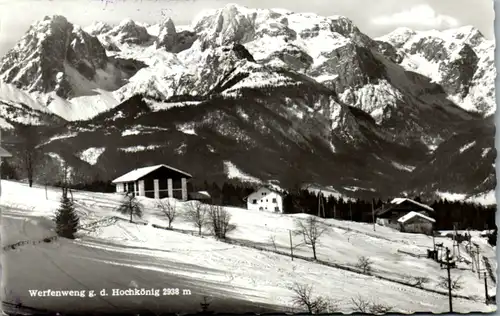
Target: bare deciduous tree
column 303, row 298
column 364, row 264
column 197, row 215
column 168, row 208
column 220, row 221
column 130, row 206
column 311, row 229
column 30, row 153
column 272, row 238
column 361, row 305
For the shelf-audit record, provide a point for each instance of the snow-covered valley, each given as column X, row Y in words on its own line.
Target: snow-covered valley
column 116, row 254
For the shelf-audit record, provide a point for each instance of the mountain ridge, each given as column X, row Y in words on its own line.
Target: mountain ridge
column 316, row 87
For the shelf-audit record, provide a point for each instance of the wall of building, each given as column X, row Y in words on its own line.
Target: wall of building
column 265, row 200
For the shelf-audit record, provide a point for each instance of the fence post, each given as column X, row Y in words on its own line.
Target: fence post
column 478, row 263
column 291, row 247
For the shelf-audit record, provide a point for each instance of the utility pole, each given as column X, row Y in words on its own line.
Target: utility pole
column 433, row 240
column 373, row 216
column 291, row 246
column 321, row 206
column 449, row 278
column 486, row 288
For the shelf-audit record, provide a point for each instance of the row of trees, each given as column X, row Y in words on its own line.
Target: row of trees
column 200, row 215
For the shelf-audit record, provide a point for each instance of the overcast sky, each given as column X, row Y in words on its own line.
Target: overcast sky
column 373, row 17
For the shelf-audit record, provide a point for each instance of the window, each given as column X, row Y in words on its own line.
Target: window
column 263, row 193
column 266, row 200
column 276, row 209
column 261, row 209
column 274, row 200
column 254, row 201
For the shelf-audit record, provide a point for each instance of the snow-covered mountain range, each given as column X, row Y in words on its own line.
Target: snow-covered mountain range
column 306, row 96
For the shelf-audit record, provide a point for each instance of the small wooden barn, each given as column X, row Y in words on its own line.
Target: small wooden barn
column 3, row 154
column 157, row 182
column 389, row 214
column 414, row 222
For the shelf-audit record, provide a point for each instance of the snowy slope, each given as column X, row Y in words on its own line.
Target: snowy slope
column 78, row 108
column 123, row 255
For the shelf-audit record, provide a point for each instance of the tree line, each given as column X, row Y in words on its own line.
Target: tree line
column 448, row 214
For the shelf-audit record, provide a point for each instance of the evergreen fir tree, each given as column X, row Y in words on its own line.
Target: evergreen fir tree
column 66, row 219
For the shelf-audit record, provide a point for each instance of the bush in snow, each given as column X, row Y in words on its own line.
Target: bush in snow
column 364, row 264
column 417, row 281
column 204, row 305
column 130, row 206
column 361, row 305
column 197, row 215
column 66, row 218
column 455, row 284
column 169, row 209
column 303, row 298
column 219, row 221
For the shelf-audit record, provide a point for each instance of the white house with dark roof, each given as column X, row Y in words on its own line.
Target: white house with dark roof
column 266, row 198
column 3, row 154
column 159, row 181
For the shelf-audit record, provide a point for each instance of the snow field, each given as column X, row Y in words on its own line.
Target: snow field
column 123, row 253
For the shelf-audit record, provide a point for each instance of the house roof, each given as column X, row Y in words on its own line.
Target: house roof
column 4, row 153
column 270, row 187
column 398, row 201
column 136, row 174
column 411, row 215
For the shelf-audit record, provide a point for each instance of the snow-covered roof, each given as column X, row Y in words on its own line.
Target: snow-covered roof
column 411, row 215
column 4, row 153
column 136, row 174
column 270, row 187
column 401, row 200
column 200, row 195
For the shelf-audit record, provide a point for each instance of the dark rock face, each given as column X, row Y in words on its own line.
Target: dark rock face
column 278, row 29
column 430, row 48
column 242, row 53
column 167, row 37
column 354, row 65
column 459, row 73
column 172, row 40
column 294, row 57
column 47, row 56
column 389, row 52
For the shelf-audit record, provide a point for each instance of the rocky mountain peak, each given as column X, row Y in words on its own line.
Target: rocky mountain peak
column 98, row 28
column 128, row 31
column 58, row 56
